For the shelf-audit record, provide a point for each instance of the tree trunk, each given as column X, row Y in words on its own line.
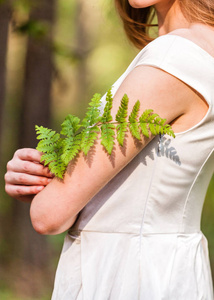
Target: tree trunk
column 5, row 14
column 83, row 45
column 31, row 248
column 38, row 76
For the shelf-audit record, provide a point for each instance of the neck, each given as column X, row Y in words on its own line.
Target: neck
column 170, row 17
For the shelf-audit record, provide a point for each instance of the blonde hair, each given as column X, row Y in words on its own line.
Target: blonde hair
column 137, row 21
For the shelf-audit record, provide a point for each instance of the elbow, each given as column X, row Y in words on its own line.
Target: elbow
column 40, row 227
column 46, row 227
column 43, row 222
column 49, row 221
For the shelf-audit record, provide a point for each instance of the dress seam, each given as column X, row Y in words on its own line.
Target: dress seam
column 190, row 190
column 144, row 213
column 144, row 234
column 170, row 277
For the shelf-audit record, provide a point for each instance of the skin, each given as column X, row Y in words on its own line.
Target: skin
column 28, row 180
column 26, row 176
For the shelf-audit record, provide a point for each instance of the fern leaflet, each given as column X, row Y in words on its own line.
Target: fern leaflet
column 51, row 145
column 121, row 119
column 89, row 135
column 133, row 121
column 71, row 147
column 107, row 136
column 93, row 113
column 70, row 126
column 107, row 117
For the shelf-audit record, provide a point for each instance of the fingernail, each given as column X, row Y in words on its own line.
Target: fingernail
column 39, row 188
column 49, row 180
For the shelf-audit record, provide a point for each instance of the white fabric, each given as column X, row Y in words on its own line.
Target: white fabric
column 139, row 237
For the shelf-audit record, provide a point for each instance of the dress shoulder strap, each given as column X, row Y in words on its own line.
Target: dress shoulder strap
column 179, row 57
column 183, row 59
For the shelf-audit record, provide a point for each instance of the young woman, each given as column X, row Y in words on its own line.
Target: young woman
column 134, row 218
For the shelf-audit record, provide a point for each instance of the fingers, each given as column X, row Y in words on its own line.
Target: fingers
column 28, row 161
column 18, row 191
column 28, row 154
column 28, row 167
column 26, row 175
column 25, row 179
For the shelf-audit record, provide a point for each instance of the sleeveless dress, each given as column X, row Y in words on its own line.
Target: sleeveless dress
column 139, row 238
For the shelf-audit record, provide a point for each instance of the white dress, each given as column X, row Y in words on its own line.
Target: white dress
column 139, row 238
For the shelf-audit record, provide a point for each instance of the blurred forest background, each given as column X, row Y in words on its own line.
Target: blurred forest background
column 54, row 55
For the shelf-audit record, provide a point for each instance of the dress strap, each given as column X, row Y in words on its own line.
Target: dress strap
column 183, row 59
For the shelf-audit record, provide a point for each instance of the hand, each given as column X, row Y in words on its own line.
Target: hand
column 26, row 176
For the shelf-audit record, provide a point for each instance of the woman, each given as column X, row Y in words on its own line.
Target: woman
column 137, row 235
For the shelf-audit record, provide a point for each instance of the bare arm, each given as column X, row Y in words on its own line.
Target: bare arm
column 55, row 208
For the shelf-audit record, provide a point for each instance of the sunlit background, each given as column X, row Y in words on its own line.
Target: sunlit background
column 58, row 53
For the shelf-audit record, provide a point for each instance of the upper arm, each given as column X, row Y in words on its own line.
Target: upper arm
column 54, row 209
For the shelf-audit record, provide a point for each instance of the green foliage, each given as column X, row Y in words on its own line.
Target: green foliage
column 76, row 136
column 121, row 117
column 152, row 122
column 90, row 131
column 133, row 122
column 107, row 117
column 51, row 145
column 107, row 128
column 36, row 29
column 107, row 136
column 71, row 143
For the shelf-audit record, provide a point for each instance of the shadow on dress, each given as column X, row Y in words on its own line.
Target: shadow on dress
column 159, row 146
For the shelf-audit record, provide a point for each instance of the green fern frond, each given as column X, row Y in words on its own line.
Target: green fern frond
column 134, row 113
column 93, row 113
column 145, row 115
column 167, row 129
column 121, row 132
column 153, row 117
column 121, row 117
column 123, row 110
column 161, row 127
column 153, row 122
column 144, row 129
column 46, row 148
column 145, row 122
column 50, row 144
column 57, row 167
column 71, row 147
column 46, row 134
column 133, row 121
column 48, row 157
column 107, row 117
column 152, row 128
column 70, row 126
column 48, row 139
column 59, row 149
column 135, row 131
column 107, row 136
column 89, row 135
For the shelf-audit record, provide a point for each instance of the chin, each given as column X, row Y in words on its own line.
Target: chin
column 142, row 3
